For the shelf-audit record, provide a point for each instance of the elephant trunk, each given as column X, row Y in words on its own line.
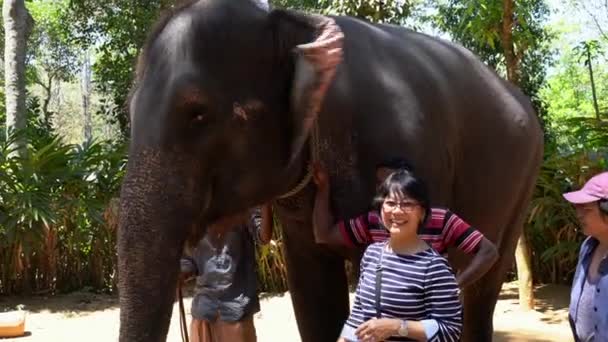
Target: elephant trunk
column 152, row 230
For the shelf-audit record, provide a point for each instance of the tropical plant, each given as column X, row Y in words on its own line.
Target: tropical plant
column 552, row 227
column 52, row 234
column 272, row 269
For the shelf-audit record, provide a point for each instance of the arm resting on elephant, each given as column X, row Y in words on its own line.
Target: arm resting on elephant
column 483, row 260
column 324, row 230
column 462, row 235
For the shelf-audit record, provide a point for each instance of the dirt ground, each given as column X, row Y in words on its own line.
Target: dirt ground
column 94, row 318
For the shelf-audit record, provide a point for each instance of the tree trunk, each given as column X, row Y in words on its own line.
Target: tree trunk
column 595, row 105
column 17, row 27
column 86, row 96
column 524, row 274
column 507, row 42
column 513, row 61
column 48, row 95
column 48, row 88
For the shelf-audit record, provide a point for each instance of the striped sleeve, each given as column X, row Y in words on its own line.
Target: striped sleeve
column 460, row 234
column 363, row 230
column 441, row 294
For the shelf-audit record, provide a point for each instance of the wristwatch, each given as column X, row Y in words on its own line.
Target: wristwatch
column 403, row 329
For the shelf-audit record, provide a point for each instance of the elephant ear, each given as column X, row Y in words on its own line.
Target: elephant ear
column 315, row 43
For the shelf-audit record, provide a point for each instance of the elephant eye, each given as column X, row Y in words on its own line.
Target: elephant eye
column 190, row 103
column 197, row 114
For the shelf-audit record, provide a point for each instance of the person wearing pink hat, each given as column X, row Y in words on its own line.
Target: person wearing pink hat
column 588, row 314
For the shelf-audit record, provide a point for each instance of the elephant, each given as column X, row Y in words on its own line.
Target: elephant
column 232, row 102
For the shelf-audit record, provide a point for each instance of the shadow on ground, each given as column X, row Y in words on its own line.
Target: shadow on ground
column 502, row 336
column 77, row 302
column 550, row 300
column 25, row 334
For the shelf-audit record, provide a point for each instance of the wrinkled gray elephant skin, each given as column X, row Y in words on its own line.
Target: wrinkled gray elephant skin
column 225, row 99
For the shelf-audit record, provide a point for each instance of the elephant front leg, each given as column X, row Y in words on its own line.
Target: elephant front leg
column 480, row 298
column 479, row 304
column 317, row 283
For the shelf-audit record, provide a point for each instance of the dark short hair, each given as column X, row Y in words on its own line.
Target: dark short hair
column 404, row 182
column 396, row 163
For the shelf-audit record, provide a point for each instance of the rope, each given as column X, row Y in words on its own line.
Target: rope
column 325, row 52
column 314, row 156
column 301, row 185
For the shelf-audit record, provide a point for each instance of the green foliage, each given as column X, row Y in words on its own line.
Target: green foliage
column 592, row 47
column 568, row 94
column 477, row 25
column 588, row 51
column 474, row 24
column 272, row 269
column 310, row 5
column 378, row 11
column 119, row 29
column 578, row 152
column 51, row 46
column 52, row 235
column 552, row 227
column 2, row 111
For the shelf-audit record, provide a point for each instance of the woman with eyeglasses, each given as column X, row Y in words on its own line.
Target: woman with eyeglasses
column 441, row 230
column 406, row 290
column 588, row 312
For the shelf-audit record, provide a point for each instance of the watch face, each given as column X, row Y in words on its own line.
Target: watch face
column 403, row 329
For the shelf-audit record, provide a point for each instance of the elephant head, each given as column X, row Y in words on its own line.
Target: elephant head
column 225, row 96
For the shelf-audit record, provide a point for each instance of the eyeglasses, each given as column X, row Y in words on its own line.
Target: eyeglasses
column 405, row 206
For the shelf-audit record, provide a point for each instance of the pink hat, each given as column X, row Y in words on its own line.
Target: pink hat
column 595, row 189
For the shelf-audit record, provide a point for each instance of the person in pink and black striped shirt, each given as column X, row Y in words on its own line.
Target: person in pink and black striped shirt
column 442, row 229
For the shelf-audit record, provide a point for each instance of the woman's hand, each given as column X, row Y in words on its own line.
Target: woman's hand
column 320, row 176
column 376, row 330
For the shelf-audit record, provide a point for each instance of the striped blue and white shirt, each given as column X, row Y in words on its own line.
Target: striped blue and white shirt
column 417, row 287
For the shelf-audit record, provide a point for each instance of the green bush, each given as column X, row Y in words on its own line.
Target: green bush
column 552, row 227
column 52, row 234
column 272, row 269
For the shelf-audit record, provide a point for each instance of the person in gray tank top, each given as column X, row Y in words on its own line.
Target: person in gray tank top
column 224, row 265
